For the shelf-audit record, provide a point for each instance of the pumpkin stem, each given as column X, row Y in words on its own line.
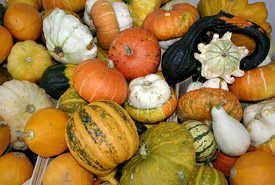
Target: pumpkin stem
column 128, row 50
column 28, row 59
column 219, row 105
column 232, row 173
column 29, row 134
column 30, row 108
column 111, row 64
column 258, row 116
column 143, row 150
column 224, row 53
column 90, row 45
column 2, row 123
column 147, row 83
column 58, row 50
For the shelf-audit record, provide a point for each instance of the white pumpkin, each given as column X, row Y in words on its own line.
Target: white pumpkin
column 18, row 101
column 259, row 121
column 211, row 83
column 87, row 15
column 164, row 44
column 221, row 58
column 147, row 92
column 168, row 6
column 67, row 39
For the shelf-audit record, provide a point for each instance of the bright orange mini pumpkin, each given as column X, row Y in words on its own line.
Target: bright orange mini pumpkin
column 45, row 132
column 6, row 43
column 95, row 79
column 172, row 23
column 253, row 168
column 15, row 168
column 5, row 136
column 23, row 21
column 34, row 3
column 72, row 5
column 135, row 52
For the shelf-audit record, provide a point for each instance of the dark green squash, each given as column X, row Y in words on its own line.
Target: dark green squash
column 178, row 62
column 57, row 78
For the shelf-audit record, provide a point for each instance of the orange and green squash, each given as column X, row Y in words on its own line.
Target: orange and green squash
column 15, row 168
column 64, row 170
column 267, row 147
column 101, row 136
column 206, row 175
column 197, row 104
column 166, row 155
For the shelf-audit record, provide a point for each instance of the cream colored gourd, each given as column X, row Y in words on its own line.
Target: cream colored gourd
column 212, row 83
column 231, row 136
column 221, row 58
column 18, row 101
column 122, row 13
column 167, row 6
column 67, row 39
column 259, row 119
column 164, row 44
column 150, row 91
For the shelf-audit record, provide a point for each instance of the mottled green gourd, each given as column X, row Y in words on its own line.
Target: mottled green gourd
column 206, row 175
column 204, row 140
column 71, row 101
column 166, row 155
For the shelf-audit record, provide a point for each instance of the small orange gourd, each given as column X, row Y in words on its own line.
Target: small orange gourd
column 65, row 170
column 23, row 21
column 72, row 5
column 6, row 43
column 45, row 132
column 5, row 136
column 15, row 168
column 253, row 168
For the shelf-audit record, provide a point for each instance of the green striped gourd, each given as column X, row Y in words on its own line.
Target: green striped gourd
column 204, row 140
column 71, row 101
column 206, row 175
column 100, row 136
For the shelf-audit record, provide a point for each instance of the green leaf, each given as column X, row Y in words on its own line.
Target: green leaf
column 2, row 13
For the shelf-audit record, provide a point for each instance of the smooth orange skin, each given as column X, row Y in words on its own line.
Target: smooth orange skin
column 72, row 5
column 23, row 21
column 6, row 43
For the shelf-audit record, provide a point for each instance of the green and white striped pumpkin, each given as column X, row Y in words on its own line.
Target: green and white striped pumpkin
column 204, row 140
column 206, row 175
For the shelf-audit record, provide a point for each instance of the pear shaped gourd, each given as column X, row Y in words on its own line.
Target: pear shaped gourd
column 231, row 136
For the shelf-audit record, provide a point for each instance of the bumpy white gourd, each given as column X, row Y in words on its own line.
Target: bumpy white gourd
column 150, row 91
column 221, row 58
column 259, row 121
column 67, row 39
column 231, row 136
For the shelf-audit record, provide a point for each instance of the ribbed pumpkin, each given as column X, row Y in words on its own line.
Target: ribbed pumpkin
column 204, row 140
column 72, row 5
column 166, row 155
column 15, row 168
column 70, row 101
column 135, row 52
column 6, row 43
column 23, row 21
column 206, row 175
column 256, row 84
column 101, row 136
column 171, row 23
column 28, row 60
column 94, row 79
column 253, row 168
column 5, row 136
column 44, row 132
column 197, row 104
column 57, row 78
column 34, row 3
column 254, row 12
column 64, row 170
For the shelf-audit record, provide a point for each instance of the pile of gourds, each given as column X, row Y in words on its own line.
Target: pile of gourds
column 91, row 84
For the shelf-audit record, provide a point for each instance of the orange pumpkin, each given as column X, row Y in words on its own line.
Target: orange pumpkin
column 105, row 21
column 5, row 136
column 45, row 132
column 265, row 147
column 15, row 168
column 94, row 79
column 23, row 21
column 34, row 3
column 65, row 170
column 72, row 5
column 256, row 84
column 172, row 23
column 253, row 168
column 135, row 52
column 197, row 104
column 6, row 43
